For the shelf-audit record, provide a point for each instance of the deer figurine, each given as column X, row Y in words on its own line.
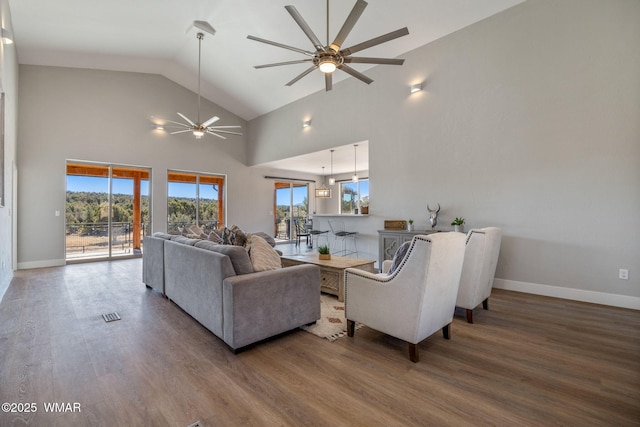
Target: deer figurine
column 433, row 216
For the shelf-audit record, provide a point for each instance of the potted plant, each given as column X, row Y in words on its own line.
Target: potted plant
column 410, row 226
column 323, row 252
column 458, row 224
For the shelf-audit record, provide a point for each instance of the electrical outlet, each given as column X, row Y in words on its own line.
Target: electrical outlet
column 623, row 274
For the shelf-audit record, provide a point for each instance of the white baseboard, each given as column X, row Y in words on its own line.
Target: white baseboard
column 615, row 300
column 41, row 264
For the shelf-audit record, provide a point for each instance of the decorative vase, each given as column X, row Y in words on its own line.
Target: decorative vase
column 458, row 228
column 409, row 227
column 324, row 256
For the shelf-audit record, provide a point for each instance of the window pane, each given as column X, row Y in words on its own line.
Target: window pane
column 348, row 197
column 351, row 193
column 194, row 199
column 181, row 206
column 208, row 206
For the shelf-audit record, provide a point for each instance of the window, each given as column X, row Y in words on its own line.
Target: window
column 353, row 195
column 194, row 199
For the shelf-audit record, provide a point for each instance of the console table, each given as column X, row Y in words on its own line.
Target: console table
column 390, row 240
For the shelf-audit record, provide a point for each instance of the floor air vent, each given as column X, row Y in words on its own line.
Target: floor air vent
column 111, row 317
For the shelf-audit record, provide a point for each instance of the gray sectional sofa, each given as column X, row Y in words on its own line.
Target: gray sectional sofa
column 217, row 286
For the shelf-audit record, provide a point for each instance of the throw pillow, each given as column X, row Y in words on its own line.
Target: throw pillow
column 263, row 256
column 399, row 256
column 239, row 237
column 215, row 237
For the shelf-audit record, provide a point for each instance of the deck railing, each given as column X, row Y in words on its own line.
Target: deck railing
column 179, row 227
column 93, row 237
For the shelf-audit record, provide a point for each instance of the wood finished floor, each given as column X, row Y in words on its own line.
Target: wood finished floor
column 528, row 361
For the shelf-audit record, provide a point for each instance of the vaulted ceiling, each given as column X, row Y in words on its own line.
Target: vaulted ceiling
column 157, row 36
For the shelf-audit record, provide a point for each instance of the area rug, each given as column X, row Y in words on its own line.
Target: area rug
column 332, row 324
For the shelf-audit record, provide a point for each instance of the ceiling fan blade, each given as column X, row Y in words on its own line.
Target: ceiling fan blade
column 301, row 75
column 204, row 26
column 305, row 27
column 224, row 131
column 328, row 81
column 284, row 46
column 180, row 131
column 178, row 123
column 375, row 41
column 225, row 127
column 362, row 60
column 213, row 133
column 211, row 121
column 348, row 25
column 187, row 120
column 299, row 61
column 357, row 74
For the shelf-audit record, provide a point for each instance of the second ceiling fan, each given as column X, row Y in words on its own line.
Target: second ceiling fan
column 332, row 56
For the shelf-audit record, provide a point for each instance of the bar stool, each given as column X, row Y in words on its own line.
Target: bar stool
column 337, row 228
column 318, row 234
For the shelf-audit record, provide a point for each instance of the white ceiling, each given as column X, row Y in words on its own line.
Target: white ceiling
column 156, row 36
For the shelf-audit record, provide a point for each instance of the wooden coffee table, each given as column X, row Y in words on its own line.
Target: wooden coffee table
column 331, row 271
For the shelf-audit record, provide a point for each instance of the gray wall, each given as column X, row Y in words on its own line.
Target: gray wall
column 9, row 85
column 529, row 121
column 104, row 116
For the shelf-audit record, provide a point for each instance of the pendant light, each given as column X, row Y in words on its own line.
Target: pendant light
column 323, row 192
column 354, row 178
column 332, row 180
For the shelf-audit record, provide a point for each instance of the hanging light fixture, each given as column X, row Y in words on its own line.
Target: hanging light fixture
column 323, row 192
column 332, row 180
column 354, row 178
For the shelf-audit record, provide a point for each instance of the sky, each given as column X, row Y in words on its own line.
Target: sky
column 101, row 185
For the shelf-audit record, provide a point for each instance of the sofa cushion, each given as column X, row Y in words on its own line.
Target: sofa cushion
column 162, row 235
column 184, row 240
column 237, row 254
column 263, row 256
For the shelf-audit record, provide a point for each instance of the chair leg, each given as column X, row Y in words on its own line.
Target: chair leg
column 351, row 328
column 413, row 353
column 485, row 304
column 446, row 332
column 469, row 316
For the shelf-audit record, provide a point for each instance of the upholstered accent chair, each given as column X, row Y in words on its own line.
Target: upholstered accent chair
column 417, row 299
column 479, row 269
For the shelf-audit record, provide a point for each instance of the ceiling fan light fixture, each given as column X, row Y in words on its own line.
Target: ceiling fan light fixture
column 327, row 65
column 198, row 133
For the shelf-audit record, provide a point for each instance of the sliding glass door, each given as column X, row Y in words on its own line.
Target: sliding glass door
column 107, row 211
column 291, row 207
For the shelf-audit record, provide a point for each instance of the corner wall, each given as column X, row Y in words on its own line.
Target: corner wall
column 528, row 121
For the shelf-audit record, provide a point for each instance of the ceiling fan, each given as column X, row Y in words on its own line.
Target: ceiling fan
column 200, row 128
column 331, row 57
